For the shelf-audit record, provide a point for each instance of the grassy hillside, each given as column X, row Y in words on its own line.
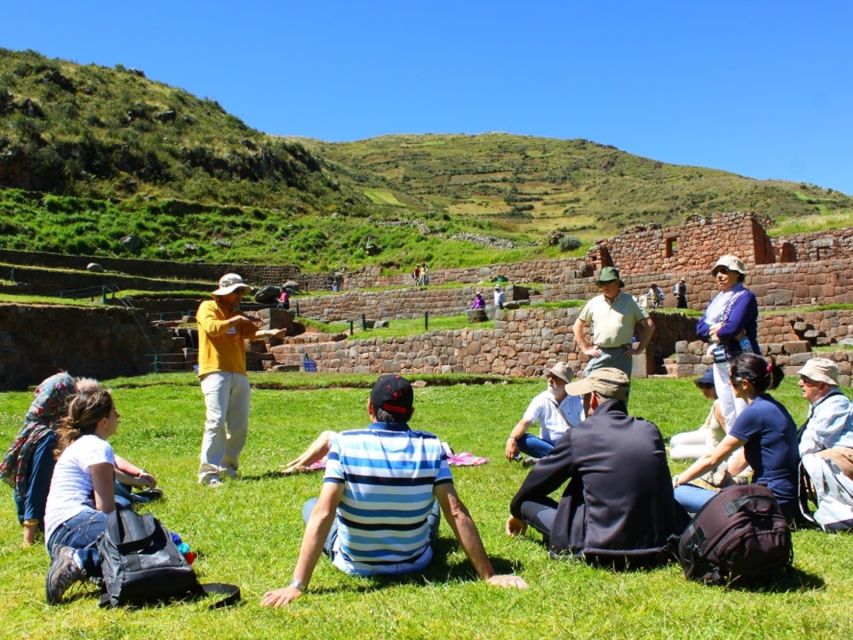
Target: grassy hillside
column 103, row 161
column 527, row 183
column 92, row 131
column 90, row 155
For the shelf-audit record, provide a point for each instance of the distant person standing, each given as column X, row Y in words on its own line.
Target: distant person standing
column 654, row 297
column 425, row 274
column 616, row 318
column 283, row 299
column 679, row 290
column 499, row 297
column 222, row 330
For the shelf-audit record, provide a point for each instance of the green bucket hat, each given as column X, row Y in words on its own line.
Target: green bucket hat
column 609, row 274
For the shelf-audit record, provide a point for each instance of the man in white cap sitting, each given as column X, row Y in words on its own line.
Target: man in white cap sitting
column 222, row 330
column 617, row 507
column 554, row 410
column 826, row 444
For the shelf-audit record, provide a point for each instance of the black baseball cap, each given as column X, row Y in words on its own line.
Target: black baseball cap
column 394, row 394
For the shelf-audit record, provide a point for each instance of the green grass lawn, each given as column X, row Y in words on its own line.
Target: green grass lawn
column 249, row 531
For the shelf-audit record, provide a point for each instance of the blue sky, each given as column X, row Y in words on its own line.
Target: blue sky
column 761, row 88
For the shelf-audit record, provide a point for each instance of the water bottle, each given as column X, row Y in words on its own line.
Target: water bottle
column 745, row 344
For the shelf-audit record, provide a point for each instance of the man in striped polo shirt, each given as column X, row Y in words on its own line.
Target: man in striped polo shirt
column 378, row 511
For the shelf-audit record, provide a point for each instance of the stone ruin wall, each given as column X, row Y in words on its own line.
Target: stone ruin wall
column 522, row 342
column 106, row 343
column 525, row 340
column 530, row 271
column 692, row 246
column 814, row 247
column 37, row 341
column 394, row 303
column 774, row 285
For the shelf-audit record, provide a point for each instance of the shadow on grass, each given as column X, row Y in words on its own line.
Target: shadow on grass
column 275, row 473
column 439, row 571
column 791, row 580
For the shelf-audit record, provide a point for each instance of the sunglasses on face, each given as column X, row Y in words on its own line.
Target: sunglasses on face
column 719, row 270
column 809, row 381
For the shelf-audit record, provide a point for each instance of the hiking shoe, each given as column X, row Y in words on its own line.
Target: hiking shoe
column 529, row 462
column 214, row 483
column 62, row 574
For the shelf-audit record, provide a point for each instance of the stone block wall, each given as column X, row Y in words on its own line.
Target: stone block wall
column 529, row 271
column 774, row 285
column 51, row 282
column 522, row 342
column 254, row 274
column 820, row 245
column 818, row 328
column 392, row 303
column 37, row 341
column 690, row 359
column 692, row 246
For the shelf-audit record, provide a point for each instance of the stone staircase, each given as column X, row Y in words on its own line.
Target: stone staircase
column 809, row 333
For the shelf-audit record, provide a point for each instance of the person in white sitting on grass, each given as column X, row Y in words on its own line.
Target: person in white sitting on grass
column 826, row 444
column 554, row 410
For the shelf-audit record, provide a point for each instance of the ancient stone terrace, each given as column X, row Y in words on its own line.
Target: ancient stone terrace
column 523, row 340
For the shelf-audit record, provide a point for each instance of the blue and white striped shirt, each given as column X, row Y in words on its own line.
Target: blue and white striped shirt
column 389, row 473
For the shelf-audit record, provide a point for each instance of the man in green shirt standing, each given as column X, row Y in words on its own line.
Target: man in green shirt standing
column 616, row 320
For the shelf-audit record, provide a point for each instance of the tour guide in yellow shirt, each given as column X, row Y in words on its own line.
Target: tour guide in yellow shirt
column 222, row 330
column 616, row 318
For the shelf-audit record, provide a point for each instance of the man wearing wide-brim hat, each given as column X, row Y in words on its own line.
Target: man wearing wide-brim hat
column 616, row 320
column 222, row 331
column 554, row 410
column 617, row 506
column 826, row 445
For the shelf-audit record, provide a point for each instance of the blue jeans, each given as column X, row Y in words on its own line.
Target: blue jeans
column 533, row 446
column 691, row 497
column 30, row 505
column 433, row 519
column 81, row 533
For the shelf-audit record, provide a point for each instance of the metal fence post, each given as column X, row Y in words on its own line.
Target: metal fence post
column 426, row 320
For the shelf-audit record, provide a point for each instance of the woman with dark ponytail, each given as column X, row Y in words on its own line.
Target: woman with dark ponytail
column 764, row 429
column 81, row 490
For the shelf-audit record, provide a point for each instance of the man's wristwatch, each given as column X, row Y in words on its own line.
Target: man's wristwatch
column 298, row 584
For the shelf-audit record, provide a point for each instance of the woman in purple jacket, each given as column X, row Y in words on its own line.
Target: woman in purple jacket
column 730, row 325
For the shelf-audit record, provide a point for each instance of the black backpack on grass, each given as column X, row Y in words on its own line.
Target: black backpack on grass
column 740, row 534
column 142, row 565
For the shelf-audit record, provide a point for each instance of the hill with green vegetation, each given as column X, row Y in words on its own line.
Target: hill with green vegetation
column 523, row 183
column 104, row 161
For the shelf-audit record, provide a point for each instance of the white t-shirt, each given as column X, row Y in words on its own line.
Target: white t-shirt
column 71, row 489
column 543, row 409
